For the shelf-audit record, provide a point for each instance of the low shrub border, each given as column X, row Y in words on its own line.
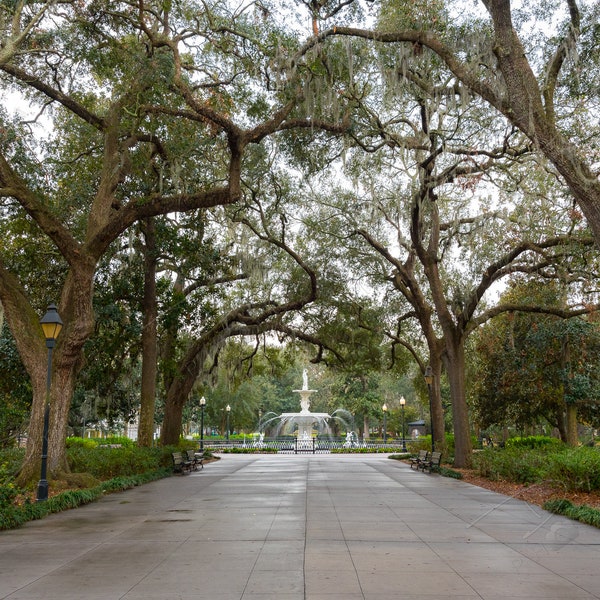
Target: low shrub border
column 382, row 450
column 15, row 516
column 238, row 450
column 583, row 513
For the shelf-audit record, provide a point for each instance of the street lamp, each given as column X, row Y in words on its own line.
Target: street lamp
column 385, row 409
column 51, row 325
column 402, row 403
column 429, row 381
column 227, row 410
column 202, row 405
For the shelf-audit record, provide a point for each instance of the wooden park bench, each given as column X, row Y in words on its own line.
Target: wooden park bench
column 196, row 459
column 432, row 462
column 181, row 463
column 417, row 461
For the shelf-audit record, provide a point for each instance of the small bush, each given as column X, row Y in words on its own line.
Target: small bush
column 8, row 495
column 78, row 442
column 399, row 456
column 11, row 460
column 577, row 469
column 446, row 472
column 512, row 464
column 105, row 462
column 533, row 442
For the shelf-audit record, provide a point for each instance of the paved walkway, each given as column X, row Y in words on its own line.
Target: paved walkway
column 317, row 527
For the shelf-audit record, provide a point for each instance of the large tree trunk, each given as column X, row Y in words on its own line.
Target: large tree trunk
column 572, row 437
column 437, row 411
column 30, row 470
column 177, row 396
column 149, row 335
column 64, row 374
column 455, row 366
column 170, row 432
column 76, row 312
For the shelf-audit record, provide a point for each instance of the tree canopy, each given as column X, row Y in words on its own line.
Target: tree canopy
column 347, row 176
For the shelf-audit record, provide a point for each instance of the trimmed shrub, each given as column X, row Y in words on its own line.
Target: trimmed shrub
column 106, row 462
column 576, row 469
column 534, row 441
column 399, row 456
column 512, row 464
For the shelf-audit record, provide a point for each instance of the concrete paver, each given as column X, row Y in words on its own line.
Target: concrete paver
column 305, row 527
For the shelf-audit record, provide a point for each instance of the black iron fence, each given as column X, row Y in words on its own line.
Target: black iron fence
column 300, row 446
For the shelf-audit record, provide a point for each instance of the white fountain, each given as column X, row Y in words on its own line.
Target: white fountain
column 305, row 420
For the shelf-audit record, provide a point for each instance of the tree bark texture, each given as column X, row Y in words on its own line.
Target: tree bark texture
column 437, row 410
column 149, row 339
column 455, row 367
column 177, row 395
column 572, row 437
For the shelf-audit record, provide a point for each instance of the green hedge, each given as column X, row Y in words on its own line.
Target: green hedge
column 248, row 450
column 106, row 462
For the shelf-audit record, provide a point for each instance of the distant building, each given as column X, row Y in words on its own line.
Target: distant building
column 417, row 429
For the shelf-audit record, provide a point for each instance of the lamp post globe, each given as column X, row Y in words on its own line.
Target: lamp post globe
column 51, row 325
column 385, row 409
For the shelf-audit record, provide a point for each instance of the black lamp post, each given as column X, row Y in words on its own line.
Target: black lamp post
column 51, row 325
column 202, row 405
column 385, row 409
column 429, row 382
column 402, row 403
column 227, row 410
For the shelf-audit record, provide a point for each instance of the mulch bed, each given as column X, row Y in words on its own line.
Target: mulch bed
column 537, row 493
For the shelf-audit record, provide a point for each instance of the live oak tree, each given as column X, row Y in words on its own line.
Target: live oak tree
column 434, row 163
column 153, row 107
column 148, row 110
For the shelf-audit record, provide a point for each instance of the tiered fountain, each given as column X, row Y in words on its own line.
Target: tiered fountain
column 305, row 420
